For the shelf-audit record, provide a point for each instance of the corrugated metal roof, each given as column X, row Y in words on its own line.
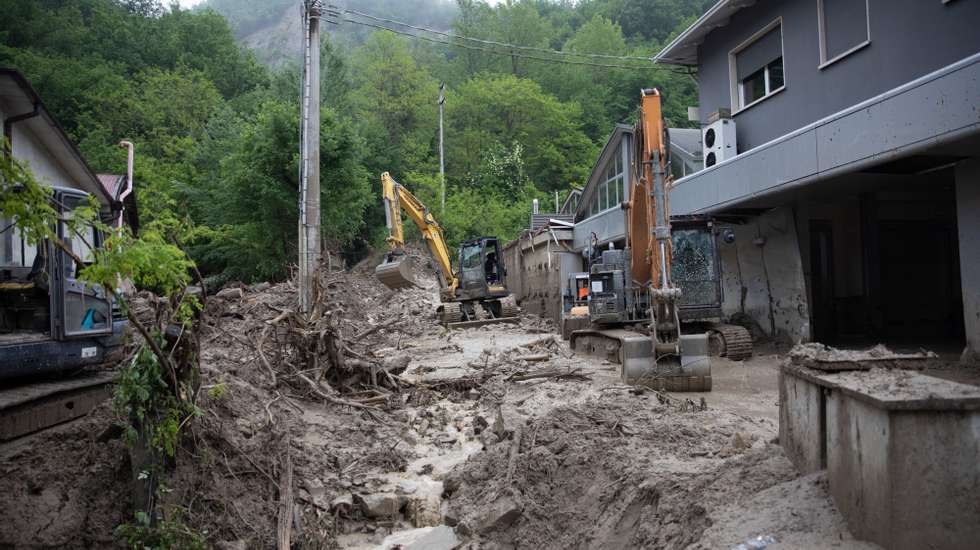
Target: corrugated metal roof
column 112, row 183
column 544, row 219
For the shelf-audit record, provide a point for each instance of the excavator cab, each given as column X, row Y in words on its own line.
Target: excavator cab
column 481, row 270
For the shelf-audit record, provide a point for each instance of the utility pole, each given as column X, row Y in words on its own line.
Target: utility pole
column 442, row 160
column 309, row 195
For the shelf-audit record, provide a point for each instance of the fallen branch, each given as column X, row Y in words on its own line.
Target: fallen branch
column 377, row 327
column 265, row 362
column 534, row 358
column 285, row 524
column 515, row 449
column 557, row 374
column 337, row 400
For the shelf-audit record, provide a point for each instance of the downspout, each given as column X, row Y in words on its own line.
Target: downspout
column 128, row 145
column 8, row 127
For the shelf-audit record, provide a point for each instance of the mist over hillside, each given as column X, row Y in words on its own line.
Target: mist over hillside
column 273, row 28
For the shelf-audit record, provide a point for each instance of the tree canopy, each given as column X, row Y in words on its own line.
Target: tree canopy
column 216, row 129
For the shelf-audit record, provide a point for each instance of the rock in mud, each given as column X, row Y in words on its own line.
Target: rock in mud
column 379, row 505
column 396, row 364
column 343, row 505
column 426, row 538
column 232, row 293
column 501, row 514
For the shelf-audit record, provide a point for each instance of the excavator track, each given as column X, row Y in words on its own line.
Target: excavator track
column 34, row 406
column 733, row 341
column 451, row 313
column 508, row 307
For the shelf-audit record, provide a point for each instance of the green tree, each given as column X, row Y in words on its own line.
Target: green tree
column 504, row 109
column 253, row 208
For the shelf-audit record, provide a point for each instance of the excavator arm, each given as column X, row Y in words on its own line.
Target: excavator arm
column 649, row 210
column 395, row 272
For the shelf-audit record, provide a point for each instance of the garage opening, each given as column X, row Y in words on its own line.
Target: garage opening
column 883, row 265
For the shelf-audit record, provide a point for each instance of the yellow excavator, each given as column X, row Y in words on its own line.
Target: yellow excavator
column 634, row 305
column 474, row 295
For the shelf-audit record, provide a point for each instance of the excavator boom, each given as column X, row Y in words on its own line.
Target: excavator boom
column 396, row 270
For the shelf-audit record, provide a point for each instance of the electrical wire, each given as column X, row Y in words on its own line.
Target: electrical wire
column 495, row 43
column 515, row 54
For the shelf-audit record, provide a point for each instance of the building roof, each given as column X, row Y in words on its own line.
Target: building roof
column 113, row 183
column 683, row 50
column 18, row 93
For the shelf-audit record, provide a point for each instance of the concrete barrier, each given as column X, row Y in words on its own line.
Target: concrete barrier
column 901, row 449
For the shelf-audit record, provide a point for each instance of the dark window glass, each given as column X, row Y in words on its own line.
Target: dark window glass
column 775, row 75
column 754, row 87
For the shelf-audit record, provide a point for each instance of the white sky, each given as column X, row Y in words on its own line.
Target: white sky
column 191, row 3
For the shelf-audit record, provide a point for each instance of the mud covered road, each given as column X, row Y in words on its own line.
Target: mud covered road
column 494, row 437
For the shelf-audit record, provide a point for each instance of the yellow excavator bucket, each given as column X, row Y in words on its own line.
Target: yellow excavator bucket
column 396, row 272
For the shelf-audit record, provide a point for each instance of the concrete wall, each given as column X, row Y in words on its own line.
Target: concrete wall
column 762, row 276
column 904, row 479
column 908, row 39
column 537, row 270
column 901, row 450
column 968, row 221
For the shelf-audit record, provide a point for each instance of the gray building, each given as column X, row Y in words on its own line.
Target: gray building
column 848, row 156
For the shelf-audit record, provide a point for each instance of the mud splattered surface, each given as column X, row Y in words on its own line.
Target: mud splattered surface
column 498, row 437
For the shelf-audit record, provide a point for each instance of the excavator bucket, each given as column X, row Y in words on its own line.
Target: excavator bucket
column 396, row 272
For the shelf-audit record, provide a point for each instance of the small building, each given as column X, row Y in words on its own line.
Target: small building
column 845, row 141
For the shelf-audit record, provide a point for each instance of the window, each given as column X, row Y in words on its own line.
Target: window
column 609, row 192
column 844, row 28
column 14, row 250
column 762, row 82
column 756, row 67
column 471, row 256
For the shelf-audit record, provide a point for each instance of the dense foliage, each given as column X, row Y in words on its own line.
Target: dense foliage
column 216, row 130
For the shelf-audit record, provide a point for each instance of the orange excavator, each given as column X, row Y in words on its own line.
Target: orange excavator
column 633, row 303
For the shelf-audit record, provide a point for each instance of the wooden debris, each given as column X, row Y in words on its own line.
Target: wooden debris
column 285, row 523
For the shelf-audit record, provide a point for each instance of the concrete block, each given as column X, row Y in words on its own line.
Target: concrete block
column 802, row 428
column 902, row 451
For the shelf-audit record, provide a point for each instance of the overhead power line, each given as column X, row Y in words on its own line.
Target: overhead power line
column 508, row 53
column 502, row 44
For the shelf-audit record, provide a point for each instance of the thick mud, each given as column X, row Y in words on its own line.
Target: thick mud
column 495, row 437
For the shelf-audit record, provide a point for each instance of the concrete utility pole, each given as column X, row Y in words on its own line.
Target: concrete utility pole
column 442, row 161
column 309, row 195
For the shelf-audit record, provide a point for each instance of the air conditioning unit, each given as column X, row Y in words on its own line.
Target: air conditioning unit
column 718, row 139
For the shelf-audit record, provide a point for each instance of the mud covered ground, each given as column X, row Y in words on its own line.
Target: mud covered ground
column 495, row 437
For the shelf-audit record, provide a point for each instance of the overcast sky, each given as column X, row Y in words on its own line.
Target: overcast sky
column 190, row 3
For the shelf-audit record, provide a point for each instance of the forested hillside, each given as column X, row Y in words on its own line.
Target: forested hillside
column 216, row 130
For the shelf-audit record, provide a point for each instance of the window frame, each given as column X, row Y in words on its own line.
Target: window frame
column 735, row 85
column 603, row 186
column 822, row 36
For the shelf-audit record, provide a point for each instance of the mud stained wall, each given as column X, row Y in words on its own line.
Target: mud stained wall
column 537, row 266
column 762, row 276
column 968, row 221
